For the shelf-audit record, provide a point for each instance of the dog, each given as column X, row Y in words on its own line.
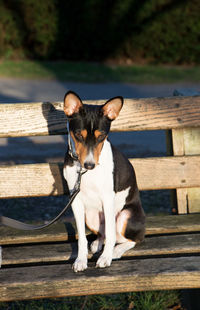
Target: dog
column 108, row 201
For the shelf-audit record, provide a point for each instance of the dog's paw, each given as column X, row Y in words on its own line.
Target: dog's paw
column 96, row 246
column 79, row 265
column 120, row 249
column 118, row 252
column 104, row 261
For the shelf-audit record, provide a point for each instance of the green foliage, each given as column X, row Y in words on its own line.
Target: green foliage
column 172, row 34
column 40, row 23
column 11, row 37
column 134, row 301
column 161, row 31
column 157, row 300
column 27, row 26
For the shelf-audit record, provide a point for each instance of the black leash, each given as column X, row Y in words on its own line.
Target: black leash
column 23, row 226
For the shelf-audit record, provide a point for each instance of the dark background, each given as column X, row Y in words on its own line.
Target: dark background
column 133, row 31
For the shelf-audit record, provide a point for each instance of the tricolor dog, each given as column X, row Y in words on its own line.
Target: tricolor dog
column 108, row 201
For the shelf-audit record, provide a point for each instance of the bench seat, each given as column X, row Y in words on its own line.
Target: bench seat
column 38, row 264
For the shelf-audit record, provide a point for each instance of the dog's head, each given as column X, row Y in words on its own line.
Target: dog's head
column 89, row 126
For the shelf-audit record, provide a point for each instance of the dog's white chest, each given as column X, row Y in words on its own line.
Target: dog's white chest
column 98, row 182
column 94, row 186
column 97, row 185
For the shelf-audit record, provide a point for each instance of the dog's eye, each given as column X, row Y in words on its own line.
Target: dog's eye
column 79, row 136
column 101, row 137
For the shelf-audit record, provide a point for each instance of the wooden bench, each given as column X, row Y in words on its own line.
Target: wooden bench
column 38, row 264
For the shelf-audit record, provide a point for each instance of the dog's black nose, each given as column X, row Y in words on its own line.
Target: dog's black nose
column 89, row 165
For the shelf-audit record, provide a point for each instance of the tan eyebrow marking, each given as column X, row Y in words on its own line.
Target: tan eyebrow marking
column 84, row 133
column 97, row 133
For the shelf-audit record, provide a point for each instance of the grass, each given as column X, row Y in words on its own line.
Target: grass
column 157, row 300
column 99, row 73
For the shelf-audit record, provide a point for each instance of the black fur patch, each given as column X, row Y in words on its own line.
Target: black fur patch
column 124, row 177
column 90, row 118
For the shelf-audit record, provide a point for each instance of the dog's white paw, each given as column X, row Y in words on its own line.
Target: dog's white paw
column 104, row 261
column 120, row 249
column 96, row 246
column 118, row 252
column 79, row 265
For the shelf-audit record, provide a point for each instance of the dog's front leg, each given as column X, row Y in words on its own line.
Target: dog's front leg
column 80, row 263
column 110, row 233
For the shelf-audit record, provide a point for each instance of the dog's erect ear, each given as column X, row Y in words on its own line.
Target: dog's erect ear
column 112, row 107
column 72, row 103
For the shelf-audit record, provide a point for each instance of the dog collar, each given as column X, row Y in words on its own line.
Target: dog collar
column 71, row 145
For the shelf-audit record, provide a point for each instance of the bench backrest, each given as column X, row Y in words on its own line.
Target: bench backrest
column 181, row 172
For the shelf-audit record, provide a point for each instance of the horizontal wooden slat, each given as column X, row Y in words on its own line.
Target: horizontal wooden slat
column 167, row 172
column 152, row 173
column 156, row 225
column 32, row 180
column 54, row 233
column 142, row 114
column 45, row 253
column 172, row 224
column 134, row 275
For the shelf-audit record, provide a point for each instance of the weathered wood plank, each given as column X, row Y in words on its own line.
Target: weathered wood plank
column 152, row 173
column 32, row 180
column 172, row 224
column 178, row 142
column 66, row 231
column 192, row 147
column 134, row 275
column 45, row 253
column 182, row 200
column 143, row 114
column 56, row 232
column 167, row 172
column 188, row 144
column 179, row 150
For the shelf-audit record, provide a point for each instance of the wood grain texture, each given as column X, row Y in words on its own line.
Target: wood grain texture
column 172, row 224
column 192, row 147
column 191, row 141
column 134, row 275
column 182, row 200
column 142, row 268
column 32, row 119
column 32, row 180
column 57, row 232
column 46, row 253
column 60, row 232
column 178, row 142
column 186, row 142
column 179, row 150
column 152, row 173
column 167, row 172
